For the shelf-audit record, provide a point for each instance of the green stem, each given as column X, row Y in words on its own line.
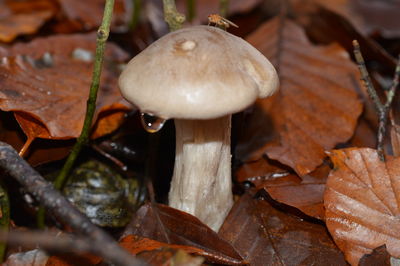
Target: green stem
column 102, row 36
column 137, row 5
column 191, row 9
column 223, row 8
column 173, row 18
column 4, row 219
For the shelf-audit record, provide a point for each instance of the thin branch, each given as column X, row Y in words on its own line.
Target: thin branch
column 382, row 109
column 63, row 243
column 52, row 200
column 365, row 77
column 102, row 36
column 173, row 18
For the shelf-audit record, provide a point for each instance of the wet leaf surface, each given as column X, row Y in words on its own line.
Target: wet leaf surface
column 295, row 126
column 266, row 236
column 172, row 226
column 46, row 82
column 23, row 17
column 362, row 202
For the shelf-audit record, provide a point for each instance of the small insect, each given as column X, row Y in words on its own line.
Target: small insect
column 220, row 21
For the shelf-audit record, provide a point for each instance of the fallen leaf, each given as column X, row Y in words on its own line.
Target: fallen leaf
column 266, row 236
column 137, row 245
column 23, row 17
column 41, row 151
column 305, row 194
column 368, row 16
column 361, row 201
column 318, row 20
column 169, row 225
column 313, row 111
column 48, row 80
column 79, row 18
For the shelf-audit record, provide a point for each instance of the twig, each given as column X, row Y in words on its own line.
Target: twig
column 382, row 109
column 102, row 36
column 5, row 217
column 52, row 199
column 223, row 8
column 63, row 243
column 173, row 18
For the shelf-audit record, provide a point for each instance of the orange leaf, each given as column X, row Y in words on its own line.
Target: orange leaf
column 48, row 79
column 18, row 18
column 135, row 245
column 362, row 201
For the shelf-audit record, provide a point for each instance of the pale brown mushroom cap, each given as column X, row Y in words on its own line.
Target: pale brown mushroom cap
column 199, row 72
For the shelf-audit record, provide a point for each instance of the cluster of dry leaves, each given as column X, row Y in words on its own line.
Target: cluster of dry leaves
column 306, row 155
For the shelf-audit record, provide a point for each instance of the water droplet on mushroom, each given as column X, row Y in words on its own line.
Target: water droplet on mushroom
column 152, row 123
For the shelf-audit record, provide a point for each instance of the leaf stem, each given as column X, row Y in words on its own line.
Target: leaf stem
column 173, row 18
column 382, row 109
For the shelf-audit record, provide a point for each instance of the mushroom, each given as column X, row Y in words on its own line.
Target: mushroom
column 199, row 76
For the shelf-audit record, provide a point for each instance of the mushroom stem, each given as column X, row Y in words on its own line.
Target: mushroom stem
column 201, row 184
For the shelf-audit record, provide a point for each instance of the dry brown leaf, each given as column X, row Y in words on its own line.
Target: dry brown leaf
column 163, row 253
column 46, row 81
column 87, row 15
column 316, row 108
column 318, row 20
column 266, row 236
column 169, row 225
column 379, row 257
column 23, row 17
column 368, row 16
column 305, row 194
column 362, row 202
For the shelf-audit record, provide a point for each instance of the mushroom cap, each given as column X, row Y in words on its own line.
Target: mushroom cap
column 199, row 72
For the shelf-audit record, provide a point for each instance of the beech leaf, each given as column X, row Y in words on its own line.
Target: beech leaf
column 172, row 226
column 305, row 194
column 266, row 236
column 76, row 12
column 23, row 17
column 46, row 83
column 316, row 108
column 362, row 200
